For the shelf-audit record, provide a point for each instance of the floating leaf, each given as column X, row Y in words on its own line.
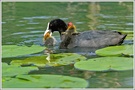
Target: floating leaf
column 129, row 34
column 115, row 50
column 14, row 50
column 12, row 70
column 45, row 81
column 129, row 37
column 55, row 60
column 106, row 64
column 126, row 32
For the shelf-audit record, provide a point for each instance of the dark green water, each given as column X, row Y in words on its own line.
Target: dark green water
column 25, row 22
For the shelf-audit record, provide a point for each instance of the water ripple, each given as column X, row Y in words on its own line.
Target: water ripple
column 33, row 23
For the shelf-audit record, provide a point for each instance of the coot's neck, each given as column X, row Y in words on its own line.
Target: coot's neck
column 59, row 29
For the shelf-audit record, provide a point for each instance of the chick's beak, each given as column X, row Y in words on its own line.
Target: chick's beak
column 47, row 35
column 47, row 32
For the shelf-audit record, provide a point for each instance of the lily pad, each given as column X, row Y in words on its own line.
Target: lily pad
column 55, row 60
column 12, row 70
column 115, row 50
column 126, row 32
column 129, row 37
column 45, row 81
column 106, row 64
column 129, row 34
column 14, row 50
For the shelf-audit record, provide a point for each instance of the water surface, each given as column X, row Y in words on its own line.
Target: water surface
column 25, row 23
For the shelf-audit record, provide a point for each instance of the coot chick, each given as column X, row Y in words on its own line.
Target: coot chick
column 49, row 40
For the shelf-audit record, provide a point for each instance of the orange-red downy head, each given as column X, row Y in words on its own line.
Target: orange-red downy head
column 70, row 26
column 47, row 35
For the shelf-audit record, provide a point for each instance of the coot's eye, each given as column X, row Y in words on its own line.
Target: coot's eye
column 50, row 25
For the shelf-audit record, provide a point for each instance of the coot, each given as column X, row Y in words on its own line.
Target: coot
column 88, row 38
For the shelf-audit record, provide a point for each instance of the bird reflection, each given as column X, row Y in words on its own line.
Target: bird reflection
column 48, row 52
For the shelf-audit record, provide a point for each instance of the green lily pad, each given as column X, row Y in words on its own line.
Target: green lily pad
column 129, row 37
column 14, row 50
column 106, row 64
column 12, row 70
column 129, row 34
column 45, row 81
column 126, row 32
column 115, row 50
column 55, row 60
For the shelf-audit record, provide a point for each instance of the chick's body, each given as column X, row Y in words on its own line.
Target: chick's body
column 49, row 40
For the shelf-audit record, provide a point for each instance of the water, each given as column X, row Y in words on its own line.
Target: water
column 25, row 22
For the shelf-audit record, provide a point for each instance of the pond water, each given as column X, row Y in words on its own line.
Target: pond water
column 25, row 22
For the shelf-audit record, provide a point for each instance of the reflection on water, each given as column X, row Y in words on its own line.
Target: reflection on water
column 23, row 23
column 93, row 10
column 9, row 8
column 112, row 79
column 96, row 79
